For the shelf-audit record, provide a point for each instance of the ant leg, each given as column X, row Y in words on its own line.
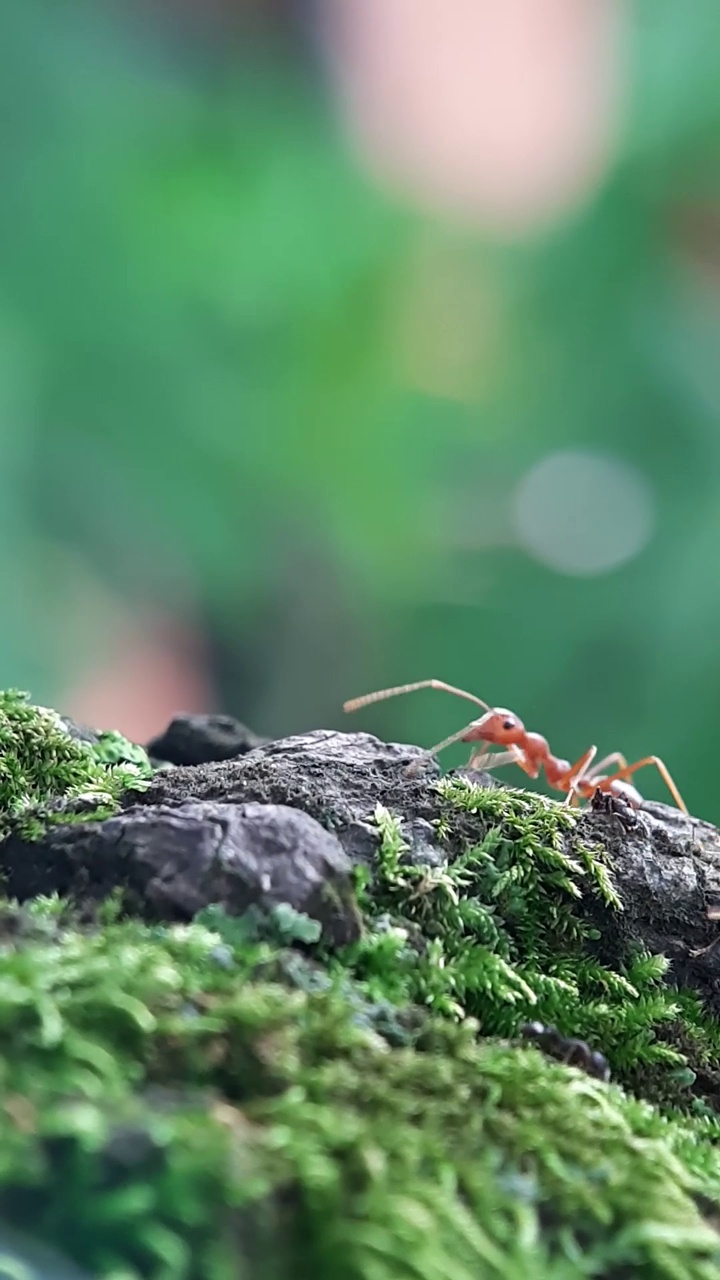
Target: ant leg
column 513, row 756
column 629, row 769
column 577, row 774
column 588, row 776
column 488, row 760
column 491, row 760
column 517, row 756
column 615, row 757
column 479, row 760
column 355, row 703
column 439, row 746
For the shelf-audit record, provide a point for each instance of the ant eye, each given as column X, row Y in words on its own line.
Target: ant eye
column 508, row 724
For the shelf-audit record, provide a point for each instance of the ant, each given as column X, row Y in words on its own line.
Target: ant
column 619, row 811
column 531, row 752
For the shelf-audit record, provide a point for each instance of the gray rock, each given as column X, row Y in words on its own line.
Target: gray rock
column 200, row 739
column 286, row 821
column 80, row 732
column 174, row 861
column 337, row 778
column 666, row 867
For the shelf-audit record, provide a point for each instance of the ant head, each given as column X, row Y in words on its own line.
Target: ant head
column 498, row 726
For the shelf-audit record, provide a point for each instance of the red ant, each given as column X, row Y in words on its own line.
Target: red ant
column 530, row 751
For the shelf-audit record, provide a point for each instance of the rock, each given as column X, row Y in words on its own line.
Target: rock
column 174, row 861
column 666, row 867
column 199, row 739
column 80, row 732
column 337, row 778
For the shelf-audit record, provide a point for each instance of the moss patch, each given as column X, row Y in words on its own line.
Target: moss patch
column 46, row 775
column 501, row 933
column 172, row 1108
column 228, row 1099
column 498, row 934
column 113, row 748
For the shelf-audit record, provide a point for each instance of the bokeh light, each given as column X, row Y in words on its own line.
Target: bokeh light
column 505, row 115
column 359, row 341
column 582, row 513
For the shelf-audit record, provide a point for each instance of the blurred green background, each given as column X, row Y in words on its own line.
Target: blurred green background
column 316, row 378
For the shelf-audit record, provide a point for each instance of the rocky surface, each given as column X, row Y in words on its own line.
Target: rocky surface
column 666, row 866
column 337, row 778
column 287, row 817
column 172, row 862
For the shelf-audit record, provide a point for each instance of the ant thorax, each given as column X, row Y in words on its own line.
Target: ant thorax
column 536, row 746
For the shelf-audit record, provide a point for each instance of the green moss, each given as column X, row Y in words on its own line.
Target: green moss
column 113, row 748
column 170, row 1109
column 227, row 1099
column 46, row 775
column 500, row 933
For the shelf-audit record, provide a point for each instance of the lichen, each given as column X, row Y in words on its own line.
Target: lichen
column 46, row 775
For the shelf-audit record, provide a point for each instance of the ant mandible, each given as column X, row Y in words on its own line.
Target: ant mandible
column 531, row 752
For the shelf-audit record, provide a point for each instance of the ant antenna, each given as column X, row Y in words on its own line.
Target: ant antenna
column 356, row 703
column 446, row 742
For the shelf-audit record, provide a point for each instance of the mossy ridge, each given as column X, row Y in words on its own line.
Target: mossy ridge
column 497, row 934
column 168, row 1113
column 48, row 776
